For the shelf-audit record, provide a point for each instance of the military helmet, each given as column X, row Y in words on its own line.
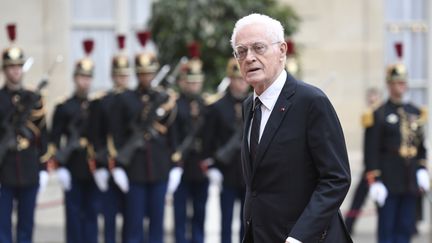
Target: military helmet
column 120, row 63
column 85, row 66
column 397, row 71
column 145, row 62
column 192, row 70
column 12, row 55
column 233, row 70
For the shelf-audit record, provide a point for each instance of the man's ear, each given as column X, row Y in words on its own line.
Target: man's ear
column 283, row 48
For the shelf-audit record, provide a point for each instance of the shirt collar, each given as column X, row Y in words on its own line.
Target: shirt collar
column 269, row 97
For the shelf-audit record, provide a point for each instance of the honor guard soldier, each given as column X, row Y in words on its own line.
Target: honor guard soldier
column 188, row 180
column 223, row 140
column 23, row 140
column 142, row 138
column 373, row 100
column 396, row 158
column 114, row 188
column 70, row 124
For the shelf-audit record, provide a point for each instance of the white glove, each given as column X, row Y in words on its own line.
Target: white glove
column 378, row 192
column 215, row 177
column 423, row 179
column 121, row 179
column 174, row 179
column 64, row 177
column 43, row 180
column 101, row 177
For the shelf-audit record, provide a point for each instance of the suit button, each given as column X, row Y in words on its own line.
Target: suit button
column 254, row 194
column 247, row 222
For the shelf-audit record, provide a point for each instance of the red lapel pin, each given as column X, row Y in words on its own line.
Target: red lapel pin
column 282, row 109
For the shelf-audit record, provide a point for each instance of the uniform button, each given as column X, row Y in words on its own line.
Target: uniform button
column 254, row 194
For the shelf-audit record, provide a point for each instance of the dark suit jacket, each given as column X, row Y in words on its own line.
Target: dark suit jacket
column 301, row 174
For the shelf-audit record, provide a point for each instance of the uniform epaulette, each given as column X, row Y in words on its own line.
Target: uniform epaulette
column 367, row 118
column 30, row 88
column 60, row 100
column 210, row 99
column 97, row 95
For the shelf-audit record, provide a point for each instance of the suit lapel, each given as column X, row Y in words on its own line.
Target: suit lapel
column 277, row 115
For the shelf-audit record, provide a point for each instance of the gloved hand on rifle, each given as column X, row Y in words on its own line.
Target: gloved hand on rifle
column 174, row 179
column 120, row 179
column 64, row 177
column 43, row 180
column 101, row 177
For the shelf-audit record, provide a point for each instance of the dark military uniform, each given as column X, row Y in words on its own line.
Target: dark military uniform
column 194, row 184
column 23, row 137
column 225, row 129
column 394, row 160
column 20, row 167
column 394, row 154
column 103, row 145
column 71, row 117
column 70, row 131
column 101, row 140
column 149, row 166
column 145, row 113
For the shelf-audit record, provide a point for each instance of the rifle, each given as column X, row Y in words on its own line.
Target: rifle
column 225, row 153
column 74, row 142
column 141, row 130
column 15, row 123
column 186, row 145
column 160, row 76
column 173, row 76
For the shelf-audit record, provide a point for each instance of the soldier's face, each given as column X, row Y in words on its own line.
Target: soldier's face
column 83, row 83
column 13, row 73
column 145, row 79
column 121, row 81
column 194, row 87
column 264, row 58
column 397, row 88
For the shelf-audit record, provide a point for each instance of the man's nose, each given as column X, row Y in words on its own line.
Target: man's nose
column 250, row 55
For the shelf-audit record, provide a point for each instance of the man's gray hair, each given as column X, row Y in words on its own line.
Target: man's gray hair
column 275, row 30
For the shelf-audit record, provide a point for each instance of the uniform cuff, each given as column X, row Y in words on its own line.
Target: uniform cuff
column 292, row 240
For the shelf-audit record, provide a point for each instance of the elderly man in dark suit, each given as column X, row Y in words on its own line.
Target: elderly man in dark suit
column 294, row 157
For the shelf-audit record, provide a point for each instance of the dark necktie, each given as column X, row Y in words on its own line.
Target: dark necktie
column 254, row 135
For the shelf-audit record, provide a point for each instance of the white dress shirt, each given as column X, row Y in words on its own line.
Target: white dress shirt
column 268, row 99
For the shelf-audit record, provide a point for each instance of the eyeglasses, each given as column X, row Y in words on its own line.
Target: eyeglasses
column 259, row 48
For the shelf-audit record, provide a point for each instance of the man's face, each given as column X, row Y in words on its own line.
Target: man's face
column 194, row 87
column 83, row 83
column 121, row 81
column 259, row 69
column 14, row 73
column 144, row 79
column 397, row 88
